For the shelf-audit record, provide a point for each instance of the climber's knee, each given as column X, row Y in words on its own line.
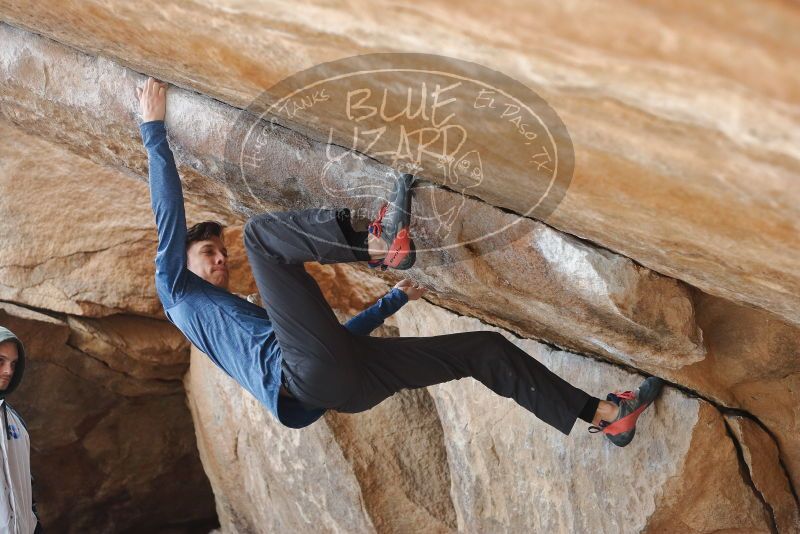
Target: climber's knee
column 250, row 233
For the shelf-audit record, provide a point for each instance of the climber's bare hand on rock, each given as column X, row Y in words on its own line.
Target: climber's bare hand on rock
column 413, row 289
column 152, row 100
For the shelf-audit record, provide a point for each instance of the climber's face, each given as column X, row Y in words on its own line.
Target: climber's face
column 208, row 259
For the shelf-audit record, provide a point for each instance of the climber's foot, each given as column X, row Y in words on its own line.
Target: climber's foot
column 622, row 428
column 392, row 226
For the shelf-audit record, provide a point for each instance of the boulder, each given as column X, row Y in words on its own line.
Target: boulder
column 618, row 309
column 513, row 472
column 684, row 161
column 672, row 253
column 752, row 364
column 382, row 471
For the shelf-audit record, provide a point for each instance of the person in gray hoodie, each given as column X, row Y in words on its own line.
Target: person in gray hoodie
column 17, row 507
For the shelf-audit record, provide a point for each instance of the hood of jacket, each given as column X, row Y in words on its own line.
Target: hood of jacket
column 8, row 335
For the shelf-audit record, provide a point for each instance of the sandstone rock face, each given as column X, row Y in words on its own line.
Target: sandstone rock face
column 511, row 471
column 761, row 456
column 107, row 444
column 668, row 132
column 266, row 477
column 673, row 253
column 708, row 483
column 77, row 238
column 71, row 256
column 534, row 273
column 398, row 455
column 497, row 467
column 753, row 363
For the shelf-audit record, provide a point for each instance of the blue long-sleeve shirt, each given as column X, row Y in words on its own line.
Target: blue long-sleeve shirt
column 236, row 334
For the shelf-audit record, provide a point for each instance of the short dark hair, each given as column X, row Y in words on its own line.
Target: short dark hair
column 202, row 231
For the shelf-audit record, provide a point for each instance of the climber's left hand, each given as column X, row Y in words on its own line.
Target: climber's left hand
column 152, row 100
column 413, row 289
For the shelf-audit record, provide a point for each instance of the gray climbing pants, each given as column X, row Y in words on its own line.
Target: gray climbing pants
column 327, row 366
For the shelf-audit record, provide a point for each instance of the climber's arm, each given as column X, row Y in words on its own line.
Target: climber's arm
column 166, row 196
column 371, row 318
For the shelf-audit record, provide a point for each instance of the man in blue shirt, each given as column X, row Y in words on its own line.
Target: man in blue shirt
column 295, row 356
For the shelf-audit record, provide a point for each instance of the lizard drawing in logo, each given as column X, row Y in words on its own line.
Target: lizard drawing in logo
column 459, row 175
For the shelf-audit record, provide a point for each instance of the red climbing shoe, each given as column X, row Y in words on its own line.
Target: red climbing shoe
column 392, row 225
column 631, row 404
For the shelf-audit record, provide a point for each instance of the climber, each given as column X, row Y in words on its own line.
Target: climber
column 17, row 506
column 296, row 357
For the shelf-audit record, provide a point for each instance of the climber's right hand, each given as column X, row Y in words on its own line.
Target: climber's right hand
column 152, row 100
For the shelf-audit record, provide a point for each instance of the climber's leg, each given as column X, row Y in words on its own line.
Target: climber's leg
column 388, row 365
column 317, row 350
column 294, row 237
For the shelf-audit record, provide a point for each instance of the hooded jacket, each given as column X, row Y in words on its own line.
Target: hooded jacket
column 17, row 509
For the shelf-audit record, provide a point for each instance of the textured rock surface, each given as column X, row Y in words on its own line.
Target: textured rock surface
column 77, row 237
column 710, row 489
column 761, row 456
column 753, row 363
column 544, row 284
column 267, row 477
column 686, row 163
column 681, row 473
column 616, row 309
column 106, row 445
column 78, row 255
column 669, row 129
column 397, row 453
column 383, row 471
